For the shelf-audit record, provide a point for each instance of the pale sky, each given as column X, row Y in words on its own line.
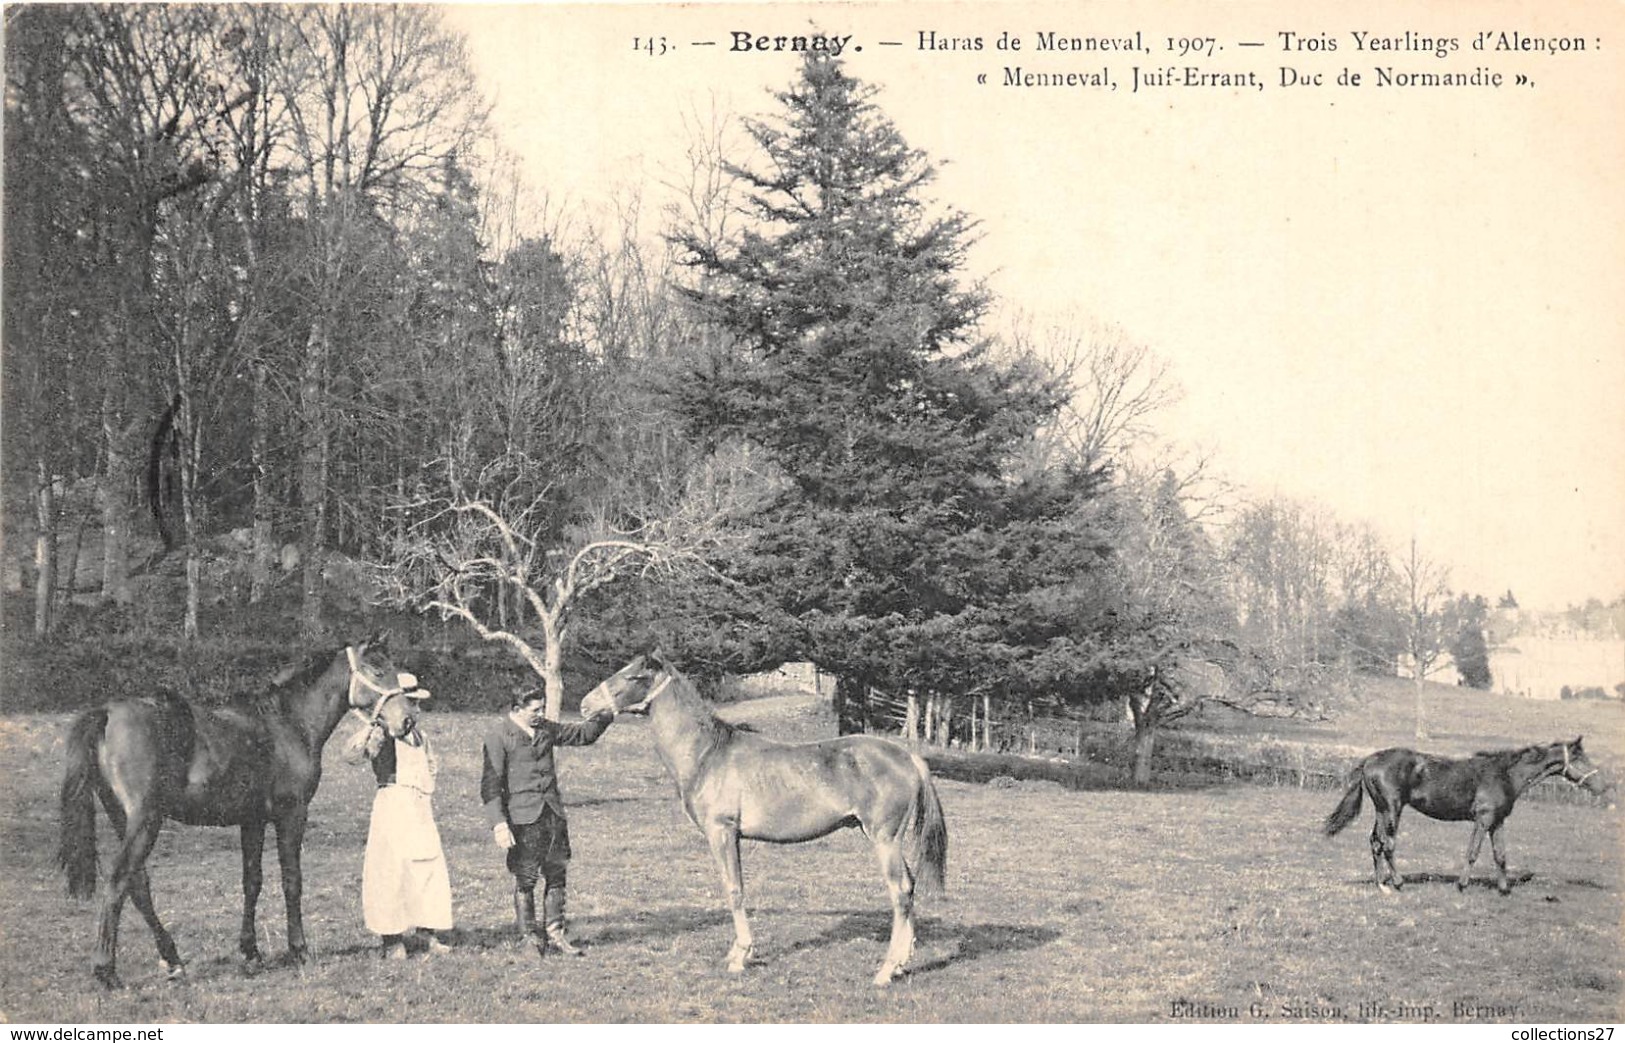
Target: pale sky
column 1401, row 302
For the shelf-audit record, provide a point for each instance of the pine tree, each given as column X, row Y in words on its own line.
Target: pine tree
column 898, row 539
column 1468, row 647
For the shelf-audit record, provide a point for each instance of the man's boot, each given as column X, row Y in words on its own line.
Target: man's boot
column 553, row 912
column 524, row 915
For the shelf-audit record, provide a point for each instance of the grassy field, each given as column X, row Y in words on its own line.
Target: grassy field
column 1108, row 905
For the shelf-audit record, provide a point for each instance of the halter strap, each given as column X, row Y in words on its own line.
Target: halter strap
column 665, row 682
column 359, row 679
column 1567, row 764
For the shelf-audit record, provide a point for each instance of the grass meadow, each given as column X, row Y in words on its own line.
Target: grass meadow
column 1204, row 902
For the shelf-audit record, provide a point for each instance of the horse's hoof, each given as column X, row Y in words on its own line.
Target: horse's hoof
column 886, row 976
column 299, row 955
column 173, row 971
column 107, row 976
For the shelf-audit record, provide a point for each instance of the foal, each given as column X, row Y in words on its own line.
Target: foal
column 1479, row 789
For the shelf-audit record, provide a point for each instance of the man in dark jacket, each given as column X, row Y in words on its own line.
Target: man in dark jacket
column 519, row 787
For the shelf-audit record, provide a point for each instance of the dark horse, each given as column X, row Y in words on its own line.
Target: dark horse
column 247, row 764
column 735, row 784
column 1479, row 789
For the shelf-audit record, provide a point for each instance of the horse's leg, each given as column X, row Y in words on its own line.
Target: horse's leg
column 1383, row 831
column 253, row 834
column 724, row 841
column 141, row 898
column 1376, row 855
column 1502, row 884
column 1473, row 846
column 140, row 834
column 290, row 837
column 900, row 885
column 1393, row 842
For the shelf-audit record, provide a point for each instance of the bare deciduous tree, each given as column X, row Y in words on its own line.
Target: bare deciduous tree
column 1118, row 387
column 465, row 553
column 1427, row 592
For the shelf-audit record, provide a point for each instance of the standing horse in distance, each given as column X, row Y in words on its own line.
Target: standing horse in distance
column 1479, row 789
column 736, row 784
column 251, row 763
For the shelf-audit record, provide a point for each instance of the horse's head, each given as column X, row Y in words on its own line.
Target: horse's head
column 1578, row 769
column 629, row 689
column 398, row 712
column 373, row 676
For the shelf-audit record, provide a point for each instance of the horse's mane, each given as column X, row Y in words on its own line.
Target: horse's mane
column 1519, row 754
column 717, row 732
column 274, row 699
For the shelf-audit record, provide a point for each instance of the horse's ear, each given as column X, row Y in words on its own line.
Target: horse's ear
column 378, row 640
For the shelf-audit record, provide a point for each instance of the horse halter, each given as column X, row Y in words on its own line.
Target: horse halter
column 1567, row 765
column 358, row 679
column 643, row 704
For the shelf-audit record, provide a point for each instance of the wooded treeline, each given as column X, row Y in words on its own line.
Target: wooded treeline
column 267, row 274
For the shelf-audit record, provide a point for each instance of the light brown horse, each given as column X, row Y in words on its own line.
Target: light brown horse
column 249, row 764
column 735, row 784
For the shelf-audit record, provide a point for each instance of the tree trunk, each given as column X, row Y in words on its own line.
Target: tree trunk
column 259, row 582
column 553, row 668
column 1145, row 737
column 911, row 721
column 1421, row 730
column 44, row 551
column 114, row 494
column 851, row 705
column 987, row 721
column 312, row 474
column 186, row 427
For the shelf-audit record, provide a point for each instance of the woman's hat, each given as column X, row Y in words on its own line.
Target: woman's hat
column 408, row 684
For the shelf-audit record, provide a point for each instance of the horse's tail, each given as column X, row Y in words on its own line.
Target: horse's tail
column 927, row 833
column 76, row 852
column 1349, row 806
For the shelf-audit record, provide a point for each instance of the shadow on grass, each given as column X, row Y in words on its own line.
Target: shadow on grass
column 970, row 941
column 587, row 802
column 1072, row 775
column 1485, row 882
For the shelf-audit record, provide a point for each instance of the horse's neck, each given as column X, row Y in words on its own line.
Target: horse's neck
column 680, row 734
column 318, row 709
column 1524, row 774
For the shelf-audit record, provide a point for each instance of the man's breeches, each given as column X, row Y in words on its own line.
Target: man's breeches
column 541, row 849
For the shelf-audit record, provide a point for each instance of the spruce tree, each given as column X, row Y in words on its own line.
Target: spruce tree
column 898, row 539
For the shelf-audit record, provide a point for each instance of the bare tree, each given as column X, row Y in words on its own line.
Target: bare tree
column 465, row 553
column 1427, row 593
column 378, row 98
column 1118, row 387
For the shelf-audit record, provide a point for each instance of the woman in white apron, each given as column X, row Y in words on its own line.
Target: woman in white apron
column 405, row 888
